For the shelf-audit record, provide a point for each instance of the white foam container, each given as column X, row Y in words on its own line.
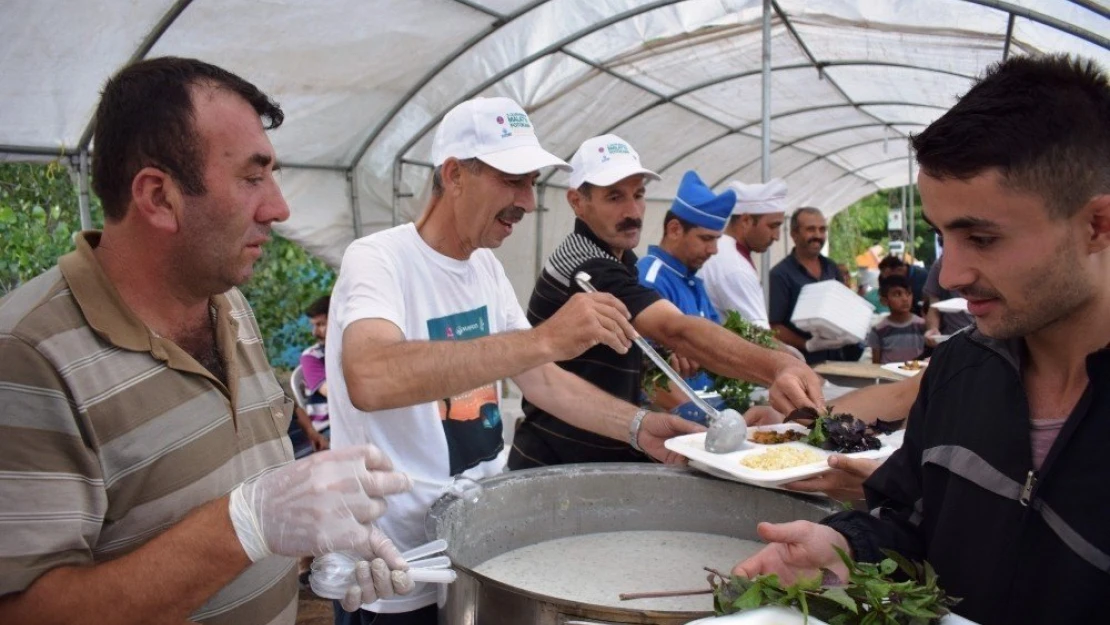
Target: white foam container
column 832, row 310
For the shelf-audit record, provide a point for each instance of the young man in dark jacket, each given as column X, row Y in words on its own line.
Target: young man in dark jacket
column 1002, row 482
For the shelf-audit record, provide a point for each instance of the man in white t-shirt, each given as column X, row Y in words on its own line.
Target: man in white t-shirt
column 429, row 325
column 730, row 276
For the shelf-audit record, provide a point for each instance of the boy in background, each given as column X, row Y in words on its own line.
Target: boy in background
column 901, row 335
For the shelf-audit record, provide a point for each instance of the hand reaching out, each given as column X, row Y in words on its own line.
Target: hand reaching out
column 796, row 549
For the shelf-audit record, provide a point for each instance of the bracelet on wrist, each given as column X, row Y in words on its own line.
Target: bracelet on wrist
column 634, row 429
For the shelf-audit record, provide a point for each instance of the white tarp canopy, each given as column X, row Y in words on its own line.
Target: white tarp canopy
column 364, row 82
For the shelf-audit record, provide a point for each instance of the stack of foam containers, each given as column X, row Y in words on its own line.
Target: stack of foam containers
column 833, row 311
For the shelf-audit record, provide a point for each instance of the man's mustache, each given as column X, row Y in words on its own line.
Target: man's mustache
column 978, row 293
column 511, row 215
column 630, row 224
column 816, row 240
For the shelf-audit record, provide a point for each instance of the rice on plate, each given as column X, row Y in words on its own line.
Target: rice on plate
column 783, row 457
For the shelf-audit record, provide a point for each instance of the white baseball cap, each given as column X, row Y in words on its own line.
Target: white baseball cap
column 495, row 131
column 604, row 160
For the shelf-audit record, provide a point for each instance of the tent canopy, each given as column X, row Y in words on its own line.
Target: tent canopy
column 364, row 83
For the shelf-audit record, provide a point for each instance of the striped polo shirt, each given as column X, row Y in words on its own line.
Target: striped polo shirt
column 110, row 434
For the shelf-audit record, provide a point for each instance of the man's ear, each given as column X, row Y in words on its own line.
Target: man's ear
column 1098, row 218
column 452, row 173
column 156, row 199
column 672, row 230
column 574, row 198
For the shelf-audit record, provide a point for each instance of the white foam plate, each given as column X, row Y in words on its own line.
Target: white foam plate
column 900, row 368
column 728, row 466
column 954, row 305
column 767, row 615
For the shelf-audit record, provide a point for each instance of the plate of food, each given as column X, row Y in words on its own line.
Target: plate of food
column 908, row 368
column 778, row 454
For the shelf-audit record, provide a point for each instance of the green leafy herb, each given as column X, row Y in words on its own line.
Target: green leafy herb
column 842, row 432
column 736, row 394
column 871, row 595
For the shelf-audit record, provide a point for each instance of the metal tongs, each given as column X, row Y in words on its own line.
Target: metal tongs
column 727, row 429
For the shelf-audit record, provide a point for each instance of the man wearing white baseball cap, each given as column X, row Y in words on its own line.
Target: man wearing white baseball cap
column 756, row 223
column 429, row 325
column 607, row 194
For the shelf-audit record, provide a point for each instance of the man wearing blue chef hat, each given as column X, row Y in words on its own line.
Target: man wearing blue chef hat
column 691, row 229
column 607, row 193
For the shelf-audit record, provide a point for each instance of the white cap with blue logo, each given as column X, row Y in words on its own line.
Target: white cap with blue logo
column 604, row 160
column 495, row 131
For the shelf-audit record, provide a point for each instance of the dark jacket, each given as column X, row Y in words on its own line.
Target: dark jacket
column 1018, row 546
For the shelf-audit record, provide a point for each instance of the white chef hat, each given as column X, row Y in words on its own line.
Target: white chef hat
column 759, row 199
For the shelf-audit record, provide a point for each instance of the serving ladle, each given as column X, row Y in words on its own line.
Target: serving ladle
column 727, row 428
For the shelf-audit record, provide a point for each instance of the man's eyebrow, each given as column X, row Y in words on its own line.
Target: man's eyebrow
column 969, row 223
column 263, row 160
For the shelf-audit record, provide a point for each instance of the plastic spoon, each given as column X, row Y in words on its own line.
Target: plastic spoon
column 727, row 429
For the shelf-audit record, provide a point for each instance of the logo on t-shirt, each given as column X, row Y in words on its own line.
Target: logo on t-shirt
column 471, row 420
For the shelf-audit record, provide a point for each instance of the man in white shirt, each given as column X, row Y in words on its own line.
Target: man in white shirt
column 429, row 325
column 730, row 276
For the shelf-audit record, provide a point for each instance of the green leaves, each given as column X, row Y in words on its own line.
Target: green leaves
column 871, row 595
column 735, row 393
column 38, row 216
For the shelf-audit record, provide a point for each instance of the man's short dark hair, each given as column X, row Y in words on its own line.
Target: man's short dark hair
column 895, row 281
column 319, row 307
column 1042, row 121
column 891, row 262
column 798, row 212
column 146, row 119
column 686, row 225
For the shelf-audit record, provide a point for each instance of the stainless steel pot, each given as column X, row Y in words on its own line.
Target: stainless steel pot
column 526, row 507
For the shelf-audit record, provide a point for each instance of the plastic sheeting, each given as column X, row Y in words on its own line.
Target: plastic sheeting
column 364, row 82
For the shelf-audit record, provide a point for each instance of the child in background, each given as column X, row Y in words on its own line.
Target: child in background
column 901, row 335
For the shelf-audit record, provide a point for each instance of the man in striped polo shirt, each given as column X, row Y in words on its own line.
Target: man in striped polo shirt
column 135, row 394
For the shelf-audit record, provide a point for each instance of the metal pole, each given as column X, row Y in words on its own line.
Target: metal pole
column 765, row 162
column 356, row 211
column 83, row 190
column 541, row 193
column 396, row 191
column 909, row 200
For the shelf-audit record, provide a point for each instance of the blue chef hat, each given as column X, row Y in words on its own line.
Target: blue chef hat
column 697, row 204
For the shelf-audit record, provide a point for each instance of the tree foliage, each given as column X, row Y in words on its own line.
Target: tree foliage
column 864, row 224
column 286, row 280
column 39, row 216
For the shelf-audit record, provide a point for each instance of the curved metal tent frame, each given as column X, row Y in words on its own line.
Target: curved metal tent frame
column 838, row 82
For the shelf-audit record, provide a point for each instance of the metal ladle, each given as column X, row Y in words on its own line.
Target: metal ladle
column 727, row 429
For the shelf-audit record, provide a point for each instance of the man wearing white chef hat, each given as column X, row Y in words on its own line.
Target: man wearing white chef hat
column 756, row 222
column 427, row 325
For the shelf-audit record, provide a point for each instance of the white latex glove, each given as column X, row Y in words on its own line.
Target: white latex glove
column 355, row 581
column 323, row 503
column 818, row 343
column 377, row 579
column 931, row 337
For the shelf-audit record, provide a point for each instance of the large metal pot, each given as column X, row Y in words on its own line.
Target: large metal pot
column 526, row 507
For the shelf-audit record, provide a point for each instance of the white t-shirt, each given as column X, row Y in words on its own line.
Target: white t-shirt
column 733, row 284
column 394, row 275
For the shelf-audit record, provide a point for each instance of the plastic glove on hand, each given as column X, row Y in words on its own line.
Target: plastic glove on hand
column 379, row 578
column 323, row 503
column 818, row 343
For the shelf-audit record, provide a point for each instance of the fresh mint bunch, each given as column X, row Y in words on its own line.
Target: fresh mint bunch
column 871, row 596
